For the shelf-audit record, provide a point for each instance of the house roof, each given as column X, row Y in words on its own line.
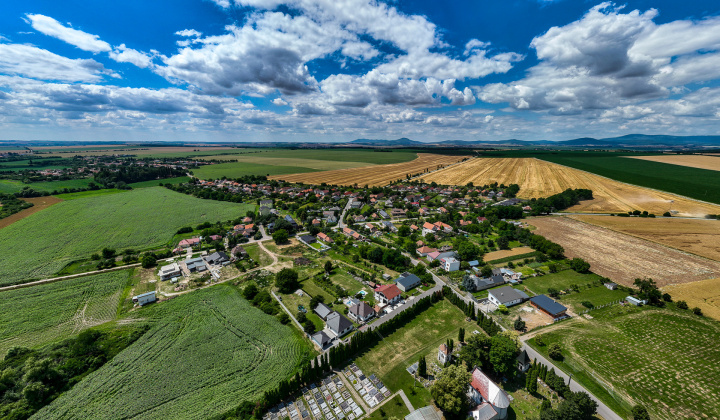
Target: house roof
column 489, row 390
column 144, row 294
column 443, row 349
column 407, row 280
column 322, row 310
column 484, row 411
column 428, row 226
column 433, row 255
column 523, row 358
column 308, row 239
column 548, row 305
column 321, row 338
column 338, row 323
column 390, row 291
column 426, row 250
column 425, row 413
column 505, row 294
column 362, row 310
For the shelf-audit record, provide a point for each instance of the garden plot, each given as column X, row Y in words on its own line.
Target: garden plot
column 370, row 388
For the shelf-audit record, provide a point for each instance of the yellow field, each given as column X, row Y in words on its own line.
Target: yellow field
column 694, row 161
column 621, row 257
column 377, row 175
column 134, row 150
column 504, row 253
column 704, row 294
column 696, row 236
column 323, row 165
column 538, row 178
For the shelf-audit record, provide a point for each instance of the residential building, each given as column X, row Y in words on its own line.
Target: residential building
column 407, row 282
column 388, row 294
column 169, row 271
column 491, row 402
column 361, row 312
column 443, row 355
column 195, row 265
column 322, row 311
column 308, row 239
column 506, row 296
column 425, row 250
column 549, row 306
column 144, row 298
column 487, row 283
column 611, row 285
column 321, row 339
column 450, row 264
column 338, row 324
column 217, row 258
column 323, row 237
column 186, row 243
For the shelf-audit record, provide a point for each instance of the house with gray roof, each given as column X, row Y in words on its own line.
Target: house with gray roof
column 549, row 306
column 407, row 281
column 338, row 324
column 195, row 265
column 506, row 296
column 322, row 311
column 361, row 312
column 321, row 339
column 487, row 283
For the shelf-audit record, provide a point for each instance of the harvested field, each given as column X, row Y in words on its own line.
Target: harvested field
column 323, row 165
column 538, row 178
column 623, row 258
column 137, row 150
column 693, row 161
column 696, row 236
column 704, row 294
column 40, row 203
column 377, row 175
column 496, row 255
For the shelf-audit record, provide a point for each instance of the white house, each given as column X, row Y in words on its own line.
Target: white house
column 338, row 324
column 361, row 312
column 169, row 271
column 450, row 264
column 144, row 298
column 506, row 296
column 388, row 294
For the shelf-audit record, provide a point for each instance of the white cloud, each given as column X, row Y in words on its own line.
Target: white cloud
column 122, row 54
column 189, row 33
column 55, row 29
column 279, row 101
column 33, row 62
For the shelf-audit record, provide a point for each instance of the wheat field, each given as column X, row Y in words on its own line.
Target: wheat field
column 693, row 161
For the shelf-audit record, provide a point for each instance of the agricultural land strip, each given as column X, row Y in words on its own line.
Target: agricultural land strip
column 318, row 164
column 40, row 245
column 624, row 258
column 40, row 203
column 693, row 161
column 377, row 175
column 696, row 236
column 664, row 359
column 205, row 353
column 33, row 316
column 703, row 294
column 331, row 155
column 237, row 170
column 538, row 178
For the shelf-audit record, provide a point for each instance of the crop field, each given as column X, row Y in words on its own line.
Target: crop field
column 667, row 360
column 704, row 294
column 12, row 186
column 205, row 353
column 320, row 165
column 40, row 203
column 623, row 258
column 538, row 178
column 330, row 155
column 40, row 245
column 693, row 161
column 137, row 150
column 37, row 315
column 504, row 253
column 236, row 170
column 696, row 236
column 377, row 175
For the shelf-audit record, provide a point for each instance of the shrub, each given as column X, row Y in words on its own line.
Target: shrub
column 553, row 292
column 587, row 304
column 503, row 309
column 555, row 352
column 681, row 304
column 697, row 311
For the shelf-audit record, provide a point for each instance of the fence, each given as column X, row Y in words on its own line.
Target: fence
column 602, row 306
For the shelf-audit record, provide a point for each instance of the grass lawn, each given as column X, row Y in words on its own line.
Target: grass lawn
column 258, row 255
column 667, row 360
column 156, row 182
column 560, row 281
column 393, row 408
column 397, row 351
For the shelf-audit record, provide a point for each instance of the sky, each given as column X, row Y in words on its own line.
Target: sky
column 339, row 70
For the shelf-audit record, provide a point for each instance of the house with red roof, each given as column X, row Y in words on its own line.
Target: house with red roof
column 491, row 402
column 186, row 243
column 388, row 294
column 424, row 250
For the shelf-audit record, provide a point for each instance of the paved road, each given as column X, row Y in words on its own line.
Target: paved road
column 341, row 222
column 72, row 276
column 603, row 410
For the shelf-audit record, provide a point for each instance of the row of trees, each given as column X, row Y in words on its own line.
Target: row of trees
column 561, row 201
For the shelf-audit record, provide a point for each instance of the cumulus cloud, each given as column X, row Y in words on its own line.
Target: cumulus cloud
column 55, row 29
column 122, row 54
column 37, row 63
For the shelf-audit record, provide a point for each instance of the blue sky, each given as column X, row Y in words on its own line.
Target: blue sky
column 336, row 70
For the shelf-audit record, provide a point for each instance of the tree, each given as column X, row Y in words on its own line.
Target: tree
column 148, row 260
column 461, row 335
column 468, row 283
column 580, row 265
column 502, row 309
column 315, row 300
column 308, row 326
column 450, row 390
column 283, row 318
column 476, row 352
column 697, row 311
column 287, row 281
column 681, row 304
column 586, row 405
column 280, row 236
column 666, row 297
column 486, row 271
column 649, row 290
column 301, row 317
column 467, row 251
column 553, row 292
column 404, row 231
column 250, row 291
column 553, row 267
column 532, row 383
column 503, row 352
column 503, row 242
column 554, row 351
column 639, row 412
column 328, row 266
column 422, row 367
column 519, row 324
column 108, row 253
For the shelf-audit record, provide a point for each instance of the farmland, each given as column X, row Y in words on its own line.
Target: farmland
column 205, row 353
column 624, row 258
column 538, row 178
column 329, row 155
column 137, row 150
column 696, row 236
column 33, row 316
column 40, row 203
column 378, row 175
column 13, row 186
column 665, row 359
column 703, row 294
column 505, row 253
column 42, row 244
column 236, row 170
column 693, row 161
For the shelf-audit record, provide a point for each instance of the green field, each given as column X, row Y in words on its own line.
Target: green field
column 589, row 289
column 156, row 182
column 667, row 360
column 43, row 243
column 393, row 408
column 12, row 186
column 33, row 316
column 238, row 169
column 342, row 155
column 206, row 352
column 421, row 336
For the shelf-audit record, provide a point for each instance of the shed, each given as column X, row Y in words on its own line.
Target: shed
column 635, row 301
column 144, row 298
column 549, row 306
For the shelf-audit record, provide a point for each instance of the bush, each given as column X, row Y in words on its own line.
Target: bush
column 555, row 352
column 666, row 297
column 503, row 309
column 553, row 292
column 186, row 229
column 667, row 214
column 283, row 318
column 697, row 311
column 681, row 304
column 587, row 304
column 519, row 324
column 280, row 236
column 287, row 281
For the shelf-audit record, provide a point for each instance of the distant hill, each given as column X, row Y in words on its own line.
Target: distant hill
column 399, row 142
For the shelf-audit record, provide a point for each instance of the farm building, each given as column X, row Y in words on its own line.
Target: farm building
column 635, row 301
column 195, row 265
column 144, row 298
column 321, row 339
column 443, row 355
column 507, row 273
column 491, row 402
column 169, row 271
column 322, row 311
column 523, row 361
column 338, row 324
column 425, row 413
column 361, row 312
column 549, row 306
column 407, row 282
column 388, row 294
column 506, row 296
